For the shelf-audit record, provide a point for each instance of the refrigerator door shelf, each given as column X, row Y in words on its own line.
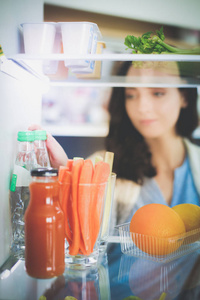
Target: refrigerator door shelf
column 24, row 72
column 21, row 106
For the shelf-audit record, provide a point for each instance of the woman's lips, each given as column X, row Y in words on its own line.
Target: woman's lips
column 147, row 121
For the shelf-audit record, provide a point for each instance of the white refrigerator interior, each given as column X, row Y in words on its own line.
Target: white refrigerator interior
column 21, row 102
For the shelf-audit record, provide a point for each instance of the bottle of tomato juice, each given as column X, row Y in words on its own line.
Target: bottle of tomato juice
column 44, row 226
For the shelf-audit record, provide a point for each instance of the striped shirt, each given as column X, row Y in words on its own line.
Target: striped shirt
column 184, row 190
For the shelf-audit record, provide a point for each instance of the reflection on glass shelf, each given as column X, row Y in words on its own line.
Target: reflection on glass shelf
column 147, row 74
column 84, row 129
column 76, row 111
column 88, row 130
column 121, row 81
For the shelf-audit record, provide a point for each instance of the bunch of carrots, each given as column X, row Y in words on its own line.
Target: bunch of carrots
column 82, row 187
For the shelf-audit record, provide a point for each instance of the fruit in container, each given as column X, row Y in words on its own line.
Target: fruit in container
column 157, row 229
column 190, row 214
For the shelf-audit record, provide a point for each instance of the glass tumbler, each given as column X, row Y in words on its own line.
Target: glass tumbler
column 107, row 212
column 83, row 212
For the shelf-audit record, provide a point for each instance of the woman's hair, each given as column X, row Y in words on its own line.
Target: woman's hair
column 132, row 155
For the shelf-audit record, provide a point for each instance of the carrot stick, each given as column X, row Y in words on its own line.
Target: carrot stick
column 65, row 198
column 64, row 178
column 76, row 169
column 84, row 204
column 67, row 202
column 69, row 164
column 61, row 179
column 62, row 169
column 61, row 173
column 101, row 174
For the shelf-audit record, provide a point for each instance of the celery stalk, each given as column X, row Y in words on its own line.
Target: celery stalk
column 109, row 157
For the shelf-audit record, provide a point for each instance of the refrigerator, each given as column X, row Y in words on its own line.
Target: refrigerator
column 21, row 91
column 20, row 100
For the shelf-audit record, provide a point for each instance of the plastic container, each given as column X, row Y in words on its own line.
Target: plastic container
column 90, row 68
column 44, row 226
column 42, row 156
column 79, row 38
column 94, row 71
column 39, row 37
column 157, row 249
column 19, row 189
column 51, row 66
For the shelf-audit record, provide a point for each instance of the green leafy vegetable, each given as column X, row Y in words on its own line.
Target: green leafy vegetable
column 148, row 44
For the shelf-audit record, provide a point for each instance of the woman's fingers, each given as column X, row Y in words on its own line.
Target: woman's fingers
column 57, row 155
column 35, row 127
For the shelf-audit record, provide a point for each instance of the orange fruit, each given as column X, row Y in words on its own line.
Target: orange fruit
column 154, row 227
column 190, row 214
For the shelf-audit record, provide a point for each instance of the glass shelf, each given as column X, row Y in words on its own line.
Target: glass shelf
column 78, row 130
column 111, row 57
column 190, row 69
column 121, row 81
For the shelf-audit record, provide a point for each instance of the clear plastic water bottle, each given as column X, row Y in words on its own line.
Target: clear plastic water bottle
column 41, row 149
column 19, row 189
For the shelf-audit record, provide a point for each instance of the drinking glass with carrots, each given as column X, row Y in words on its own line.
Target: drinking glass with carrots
column 83, row 191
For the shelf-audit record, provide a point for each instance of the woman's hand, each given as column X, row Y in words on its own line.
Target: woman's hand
column 57, row 155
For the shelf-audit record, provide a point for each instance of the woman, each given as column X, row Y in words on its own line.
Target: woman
column 150, row 132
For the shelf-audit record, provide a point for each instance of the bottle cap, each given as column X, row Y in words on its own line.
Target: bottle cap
column 26, row 136
column 40, row 135
column 44, row 172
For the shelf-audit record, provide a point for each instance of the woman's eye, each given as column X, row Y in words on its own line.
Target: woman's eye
column 159, row 94
column 129, row 97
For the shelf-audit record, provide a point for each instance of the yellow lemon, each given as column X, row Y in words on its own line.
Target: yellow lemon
column 190, row 214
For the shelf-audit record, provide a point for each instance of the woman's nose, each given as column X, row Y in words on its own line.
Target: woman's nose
column 144, row 104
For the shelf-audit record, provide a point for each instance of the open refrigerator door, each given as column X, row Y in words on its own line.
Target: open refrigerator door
column 21, row 90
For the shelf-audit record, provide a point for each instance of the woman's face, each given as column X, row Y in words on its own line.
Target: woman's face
column 154, row 111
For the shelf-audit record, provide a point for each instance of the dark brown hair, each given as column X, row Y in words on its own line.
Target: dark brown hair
column 132, row 155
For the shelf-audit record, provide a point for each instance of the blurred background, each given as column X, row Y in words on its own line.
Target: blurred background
column 77, row 116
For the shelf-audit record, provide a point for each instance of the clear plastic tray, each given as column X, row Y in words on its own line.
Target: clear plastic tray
column 157, row 249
